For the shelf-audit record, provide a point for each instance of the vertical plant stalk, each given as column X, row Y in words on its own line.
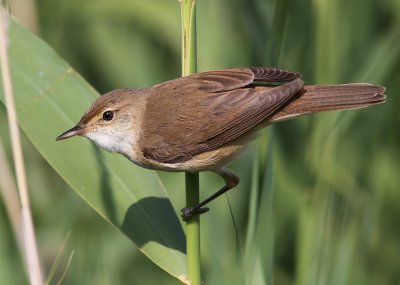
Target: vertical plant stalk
column 193, row 230
column 189, row 41
column 189, row 66
column 28, row 235
column 9, row 194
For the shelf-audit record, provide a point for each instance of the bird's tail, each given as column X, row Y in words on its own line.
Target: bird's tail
column 320, row 98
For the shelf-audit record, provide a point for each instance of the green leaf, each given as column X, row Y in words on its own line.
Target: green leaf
column 50, row 98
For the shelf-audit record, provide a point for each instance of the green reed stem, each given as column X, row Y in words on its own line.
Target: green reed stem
column 189, row 66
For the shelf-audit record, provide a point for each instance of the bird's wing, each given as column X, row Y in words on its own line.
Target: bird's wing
column 206, row 110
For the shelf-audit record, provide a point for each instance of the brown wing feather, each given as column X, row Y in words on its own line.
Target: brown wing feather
column 206, row 110
column 262, row 102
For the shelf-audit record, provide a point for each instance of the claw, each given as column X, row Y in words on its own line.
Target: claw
column 187, row 213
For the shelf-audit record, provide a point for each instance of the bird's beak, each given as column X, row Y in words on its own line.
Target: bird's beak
column 75, row 131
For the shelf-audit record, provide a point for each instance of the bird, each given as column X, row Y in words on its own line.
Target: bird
column 203, row 121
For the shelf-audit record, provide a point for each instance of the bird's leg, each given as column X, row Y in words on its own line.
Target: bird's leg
column 231, row 180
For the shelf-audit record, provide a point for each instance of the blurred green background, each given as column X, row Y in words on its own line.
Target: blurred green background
column 329, row 215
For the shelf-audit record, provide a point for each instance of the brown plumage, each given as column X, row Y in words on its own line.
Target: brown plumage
column 203, row 121
column 207, row 110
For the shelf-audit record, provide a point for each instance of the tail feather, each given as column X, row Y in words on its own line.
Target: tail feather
column 318, row 98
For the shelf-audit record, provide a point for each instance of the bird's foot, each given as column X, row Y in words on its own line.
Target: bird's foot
column 188, row 213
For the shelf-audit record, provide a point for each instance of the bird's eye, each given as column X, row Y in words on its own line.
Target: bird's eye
column 108, row 115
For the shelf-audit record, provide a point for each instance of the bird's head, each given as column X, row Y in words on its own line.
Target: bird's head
column 110, row 121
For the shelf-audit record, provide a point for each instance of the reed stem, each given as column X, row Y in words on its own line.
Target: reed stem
column 28, row 233
column 189, row 66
